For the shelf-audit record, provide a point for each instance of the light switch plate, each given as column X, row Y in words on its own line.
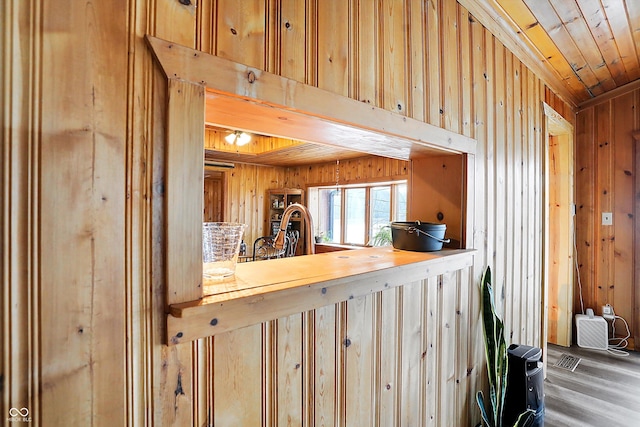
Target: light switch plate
column 607, row 218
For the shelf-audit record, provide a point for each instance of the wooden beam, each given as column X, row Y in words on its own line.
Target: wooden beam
column 184, row 186
column 283, row 107
column 629, row 87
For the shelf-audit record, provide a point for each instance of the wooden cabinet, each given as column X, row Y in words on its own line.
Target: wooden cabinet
column 277, row 201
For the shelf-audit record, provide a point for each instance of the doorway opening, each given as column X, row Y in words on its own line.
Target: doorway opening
column 559, row 208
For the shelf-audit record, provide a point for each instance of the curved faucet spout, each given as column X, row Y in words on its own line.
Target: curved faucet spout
column 309, row 244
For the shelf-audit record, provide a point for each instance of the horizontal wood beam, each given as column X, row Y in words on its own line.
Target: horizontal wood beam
column 251, row 99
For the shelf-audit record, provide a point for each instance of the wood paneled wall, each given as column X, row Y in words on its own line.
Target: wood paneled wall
column 605, row 181
column 353, row 171
column 247, row 185
column 83, row 110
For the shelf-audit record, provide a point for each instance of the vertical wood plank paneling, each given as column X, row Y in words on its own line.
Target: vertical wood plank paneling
column 509, row 193
column 447, row 374
column 205, row 26
column 411, row 343
column 621, row 288
column 480, row 129
column 449, row 72
column 333, row 46
column 292, row 29
column 289, row 371
column 238, row 354
column 585, row 212
column 560, row 259
column 103, row 180
column 83, row 134
column 499, row 185
column 529, row 187
column 176, row 21
column 433, row 339
column 466, row 363
column 359, row 362
column 604, row 183
column 480, row 232
column 433, row 101
column 489, row 167
column 367, row 83
column 417, row 19
column 536, row 292
column 20, row 92
column 325, row 366
column 518, row 278
column 390, row 348
column 393, row 55
column 604, row 201
column 241, row 28
column 465, row 74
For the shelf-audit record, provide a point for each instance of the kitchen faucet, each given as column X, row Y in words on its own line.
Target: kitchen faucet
column 309, row 244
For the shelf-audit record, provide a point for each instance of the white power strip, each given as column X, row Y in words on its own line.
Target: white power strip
column 607, row 312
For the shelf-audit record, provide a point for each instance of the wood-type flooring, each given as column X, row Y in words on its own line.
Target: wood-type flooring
column 604, row 390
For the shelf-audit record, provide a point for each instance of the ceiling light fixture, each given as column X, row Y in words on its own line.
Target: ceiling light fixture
column 239, row 138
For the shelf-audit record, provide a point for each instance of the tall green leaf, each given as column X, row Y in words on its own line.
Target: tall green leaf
column 497, row 361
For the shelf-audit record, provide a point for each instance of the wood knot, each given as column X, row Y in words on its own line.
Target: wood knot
column 233, row 31
column 251, row 77
column 185, row 2
column 213, row 322
column 347, row 342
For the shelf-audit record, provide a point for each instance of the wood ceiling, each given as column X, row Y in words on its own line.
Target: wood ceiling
column 581, row 48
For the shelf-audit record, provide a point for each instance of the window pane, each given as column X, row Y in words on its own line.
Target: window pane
column 380, row 213
column 400, row 202
column 329, row 224
column 355, row 215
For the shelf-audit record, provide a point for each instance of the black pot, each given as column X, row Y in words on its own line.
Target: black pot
column 418, row 236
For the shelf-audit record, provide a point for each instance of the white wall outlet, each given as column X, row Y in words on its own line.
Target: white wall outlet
column 607, row 218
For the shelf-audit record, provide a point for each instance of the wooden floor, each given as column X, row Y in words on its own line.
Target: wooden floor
column 604, row 390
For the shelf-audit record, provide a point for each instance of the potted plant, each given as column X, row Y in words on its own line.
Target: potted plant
column 497, row 362
column 382, row 237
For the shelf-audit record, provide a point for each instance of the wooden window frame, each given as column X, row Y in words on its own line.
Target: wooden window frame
column 197, row 80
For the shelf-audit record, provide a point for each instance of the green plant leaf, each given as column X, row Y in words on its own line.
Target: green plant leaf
column 525, row 418
column 483, row 410
column 495, row 351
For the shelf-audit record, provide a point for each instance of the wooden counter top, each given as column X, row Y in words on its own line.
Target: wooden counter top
column 266, row 290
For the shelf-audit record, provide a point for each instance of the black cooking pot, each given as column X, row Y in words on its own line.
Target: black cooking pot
column 418, row 236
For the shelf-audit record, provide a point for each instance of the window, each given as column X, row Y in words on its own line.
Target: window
column 355, row 214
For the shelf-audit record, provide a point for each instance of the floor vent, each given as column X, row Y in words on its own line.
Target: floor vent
column 568, row 362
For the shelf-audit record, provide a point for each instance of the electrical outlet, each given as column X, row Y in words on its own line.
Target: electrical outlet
column 607, row 218
column 607, row 312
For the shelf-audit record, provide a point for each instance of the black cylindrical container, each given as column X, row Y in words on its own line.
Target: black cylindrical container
column 418, row 236
column 524, row 384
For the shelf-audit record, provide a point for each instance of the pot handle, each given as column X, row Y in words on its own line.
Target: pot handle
column 417, row 230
